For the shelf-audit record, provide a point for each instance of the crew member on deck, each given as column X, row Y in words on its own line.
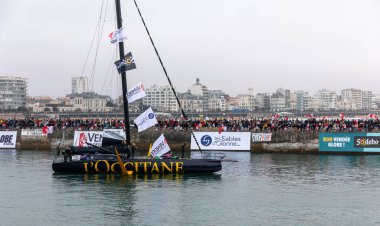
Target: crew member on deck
column 134, row 147
column 68, row 155
column 183, row 150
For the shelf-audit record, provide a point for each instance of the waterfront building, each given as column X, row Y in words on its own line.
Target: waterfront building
column 367, row 98
column 302, row 100
column 232, row 103
column 199, row 89
column 351, row 99
column 88, row 102
column 39, row 103
column 246, row 102
column 13, row 92
column 217, row 100
column 327, row 100
column 79, row 85
column 277, row 102
column 376, row 101
column 262, row 101
column 191, row 102
column 161, row 98
column 286, row 94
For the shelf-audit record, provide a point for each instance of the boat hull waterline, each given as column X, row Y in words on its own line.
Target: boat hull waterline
column 140, row 166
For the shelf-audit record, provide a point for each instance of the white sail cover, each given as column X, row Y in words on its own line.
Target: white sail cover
column 160, row 147
column 137, row 92
column 146, row 120
column 117, row 36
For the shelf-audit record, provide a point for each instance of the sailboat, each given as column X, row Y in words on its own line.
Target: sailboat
column 108, row 160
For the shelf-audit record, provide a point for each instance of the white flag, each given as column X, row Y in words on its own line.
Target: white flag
column 137, row 92
column 117, row 36
column 160, row 147
column 146, row 120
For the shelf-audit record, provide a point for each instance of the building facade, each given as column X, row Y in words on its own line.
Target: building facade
column 79, row 85
column 199, row 89
column 161, row 98
column 13, row 92
column 351, row 99
column 87, row 102
column 327, row 99
column 190, row 102
column 302, row 100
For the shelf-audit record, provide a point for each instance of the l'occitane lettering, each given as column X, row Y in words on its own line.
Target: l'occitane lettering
column 103, row 166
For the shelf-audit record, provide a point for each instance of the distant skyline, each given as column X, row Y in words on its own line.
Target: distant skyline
column 228, row 45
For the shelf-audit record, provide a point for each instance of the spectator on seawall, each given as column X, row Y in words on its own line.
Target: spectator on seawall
column 266, row 124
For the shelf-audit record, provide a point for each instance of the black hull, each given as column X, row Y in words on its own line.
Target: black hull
column 141, row 166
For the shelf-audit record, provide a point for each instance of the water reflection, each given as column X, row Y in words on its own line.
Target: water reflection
column 314, row 169
column 122, row 196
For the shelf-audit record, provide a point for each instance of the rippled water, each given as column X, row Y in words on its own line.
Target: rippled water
column 261, row 189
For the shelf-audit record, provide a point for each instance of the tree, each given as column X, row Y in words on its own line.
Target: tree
column 109, row 104
column 22, row 109
column 46, row 109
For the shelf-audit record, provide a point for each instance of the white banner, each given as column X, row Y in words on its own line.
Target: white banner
column 261, row 137
column 234, row 141
column 146, row 120
column 93, row 137
column 117, row 36
column 8, row 139
column 114, row 133
column 137, row 92
column 159, row 147
column 34, row 132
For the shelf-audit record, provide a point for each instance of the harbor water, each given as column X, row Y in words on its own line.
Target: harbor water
column 260, row 189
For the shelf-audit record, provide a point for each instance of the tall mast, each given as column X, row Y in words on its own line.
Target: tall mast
column 123, row 77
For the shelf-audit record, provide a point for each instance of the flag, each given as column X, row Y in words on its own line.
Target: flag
column 126, row 64
column 220, row 129
column 137, row 92
column 146, row 120
column 373, row 116
column 45, row 130
column 159, row 147
column 117, row 36
column 341, row 116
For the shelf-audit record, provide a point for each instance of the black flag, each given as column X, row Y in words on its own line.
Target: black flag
column 126, row 64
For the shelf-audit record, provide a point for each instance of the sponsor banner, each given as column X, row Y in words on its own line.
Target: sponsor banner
column 349, row 142
column 35, row 132
column 117, row 36
column 146, row 120
column 114, row 133
column 8, row 139
column 261, row 137
column 234, row 141
column 93, row 137
column 159, row 147
column 137, row 92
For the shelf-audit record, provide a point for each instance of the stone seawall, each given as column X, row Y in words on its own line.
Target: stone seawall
column 282, row 141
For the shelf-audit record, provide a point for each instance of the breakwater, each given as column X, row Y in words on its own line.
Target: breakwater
column 282, row 141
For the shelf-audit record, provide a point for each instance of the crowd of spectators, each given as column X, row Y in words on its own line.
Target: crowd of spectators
column 226, row 124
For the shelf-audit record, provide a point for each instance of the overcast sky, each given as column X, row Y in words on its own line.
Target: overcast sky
column 230, row 45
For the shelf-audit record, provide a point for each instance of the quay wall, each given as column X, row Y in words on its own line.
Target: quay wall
column 282, row 141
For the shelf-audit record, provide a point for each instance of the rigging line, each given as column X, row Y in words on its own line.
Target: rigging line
column 92, row 41
column 97, row 47
column 91, row 82
column 166, row 74
column 108, row 71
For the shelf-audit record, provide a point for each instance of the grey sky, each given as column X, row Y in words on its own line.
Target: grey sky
column 229, row 45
